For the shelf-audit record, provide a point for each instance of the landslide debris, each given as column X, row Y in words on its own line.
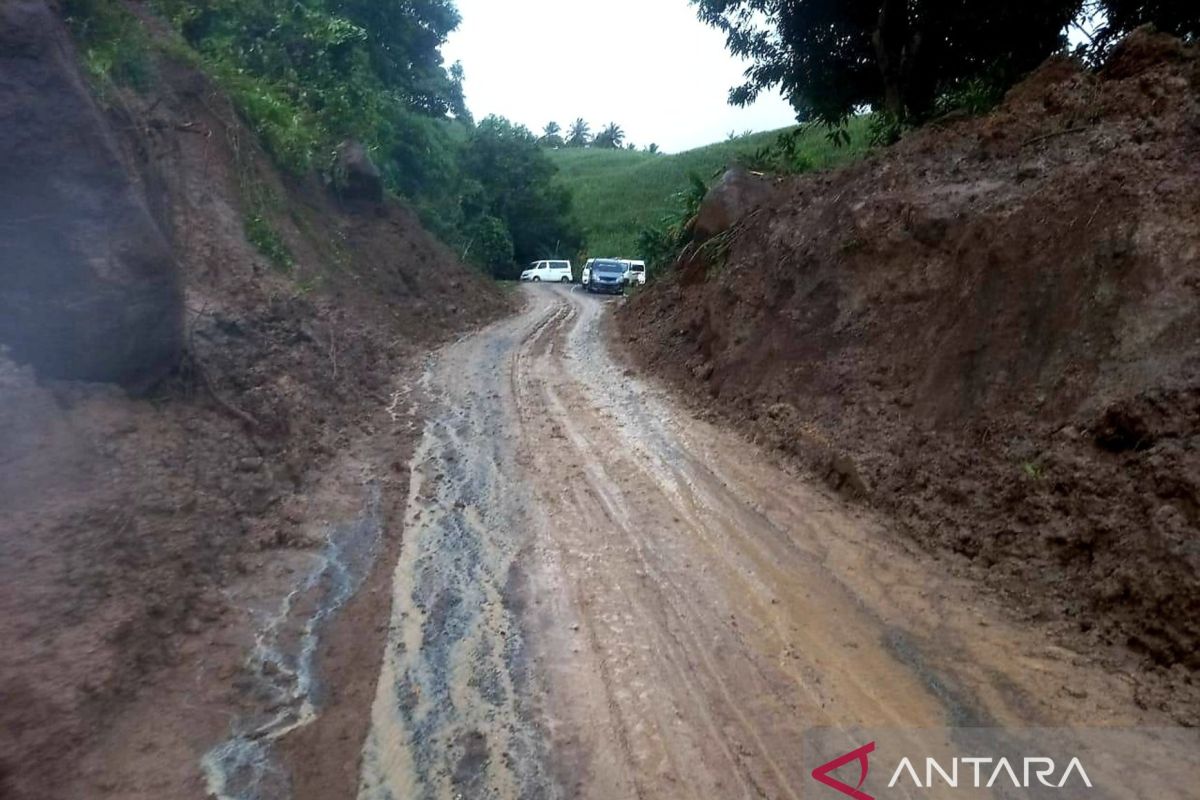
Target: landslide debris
column 992, row 331
column 88, row 284
column 131, row 524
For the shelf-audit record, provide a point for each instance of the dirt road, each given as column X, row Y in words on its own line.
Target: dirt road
column 601, row 596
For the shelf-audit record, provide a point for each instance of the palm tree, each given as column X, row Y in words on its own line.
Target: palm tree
column 580, row 134
column 552, row 135
column 652, row 148
column 611, row 137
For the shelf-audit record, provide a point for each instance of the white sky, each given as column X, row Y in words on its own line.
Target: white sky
column 648, row 65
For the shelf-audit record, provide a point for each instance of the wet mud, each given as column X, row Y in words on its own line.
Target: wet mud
column 600, row 595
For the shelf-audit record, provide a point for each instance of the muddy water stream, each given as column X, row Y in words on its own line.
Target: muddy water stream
column 281, row 666
column 449, row 716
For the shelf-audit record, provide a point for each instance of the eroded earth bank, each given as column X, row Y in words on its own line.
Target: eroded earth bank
column 257, row 543
column 988, row 332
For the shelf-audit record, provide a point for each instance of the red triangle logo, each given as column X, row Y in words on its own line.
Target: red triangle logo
column 821, row 773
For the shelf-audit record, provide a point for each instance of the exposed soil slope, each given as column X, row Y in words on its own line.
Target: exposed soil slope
column 89, row 288
column 141, row 538
column 992, row 330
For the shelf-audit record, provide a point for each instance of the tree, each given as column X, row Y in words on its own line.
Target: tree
column 652, row 148
column 404, row 40
column 514, row 184
column 490, row 245
column 612, row 137
column 1178, row 17
column 830, row 57
column 458, row 100
column 552, row 135
column 307, row 75
column 580, row 134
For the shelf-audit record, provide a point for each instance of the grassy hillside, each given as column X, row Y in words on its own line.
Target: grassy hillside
column 619, row 192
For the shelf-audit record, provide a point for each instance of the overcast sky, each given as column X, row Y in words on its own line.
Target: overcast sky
column 648, row 65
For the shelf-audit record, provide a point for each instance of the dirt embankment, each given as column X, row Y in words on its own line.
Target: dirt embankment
column 130, row 526
column 992, row 330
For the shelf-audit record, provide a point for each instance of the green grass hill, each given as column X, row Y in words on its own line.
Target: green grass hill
column 620, row 192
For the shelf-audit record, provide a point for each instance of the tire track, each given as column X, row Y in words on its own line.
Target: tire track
column 600, row 596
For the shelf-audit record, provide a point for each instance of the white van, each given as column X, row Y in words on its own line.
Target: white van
column 635, row 272
column 554, row 271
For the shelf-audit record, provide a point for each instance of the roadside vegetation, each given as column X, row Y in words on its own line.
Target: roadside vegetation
column 621, row 194
column 912, row 60
column 906, row 61
column 308, row 76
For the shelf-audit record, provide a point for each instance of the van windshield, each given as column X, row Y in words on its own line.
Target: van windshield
column 608, row 267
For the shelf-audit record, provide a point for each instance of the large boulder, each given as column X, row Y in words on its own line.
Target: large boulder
column 733, row 197
column 355, row 174
column 88, row 287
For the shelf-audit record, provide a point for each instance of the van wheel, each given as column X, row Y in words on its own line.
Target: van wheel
column 565, row 280
column 536, row 279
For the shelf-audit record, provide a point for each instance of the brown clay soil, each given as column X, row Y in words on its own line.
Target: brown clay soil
column 167, row 560
column 601, row 595
column 990, row 334
column 317, row 563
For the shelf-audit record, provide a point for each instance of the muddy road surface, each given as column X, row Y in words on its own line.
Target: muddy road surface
column 602, row 596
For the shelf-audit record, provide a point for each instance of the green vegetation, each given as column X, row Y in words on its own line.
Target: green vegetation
column 911, row 59
column 112, row 43
column 552, row 135
column 663, row 244
column 579, row 134
column 620, row 193
column 307, row 75
column 1177, row 17
column 511, row 190
column 267, row 240
column 611, row 137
